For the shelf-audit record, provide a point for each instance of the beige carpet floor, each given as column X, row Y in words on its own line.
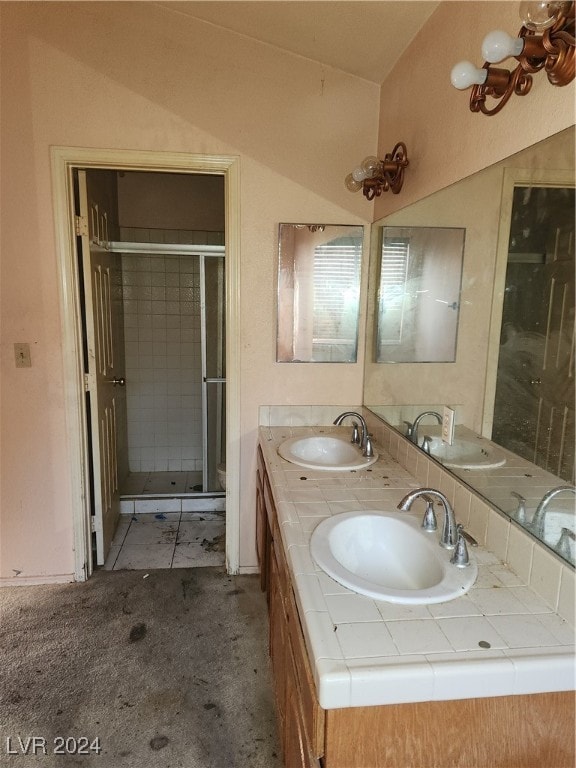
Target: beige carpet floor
column 164, row 668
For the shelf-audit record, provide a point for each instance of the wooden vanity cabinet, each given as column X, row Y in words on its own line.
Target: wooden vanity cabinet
column 262, row 527
column 299, row 716
column 527, row 731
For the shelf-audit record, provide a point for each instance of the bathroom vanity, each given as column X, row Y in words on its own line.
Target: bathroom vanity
column 483, row 680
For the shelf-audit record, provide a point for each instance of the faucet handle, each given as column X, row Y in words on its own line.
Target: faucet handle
column 563, row 547
column 429, row 522
column 368, row 451
column 426, row 444
column 460, row 557
column 409, row 428
column 521, row 508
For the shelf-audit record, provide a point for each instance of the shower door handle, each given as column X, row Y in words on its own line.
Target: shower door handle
column 120, row 381
column 214, row 381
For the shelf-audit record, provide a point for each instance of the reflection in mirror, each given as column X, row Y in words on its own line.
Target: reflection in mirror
column 535, row 398
column 418, row 294
column 512, row 383
column 318, row 292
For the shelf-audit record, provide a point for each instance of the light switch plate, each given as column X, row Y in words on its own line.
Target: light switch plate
column 22, row 355
column 448, row 425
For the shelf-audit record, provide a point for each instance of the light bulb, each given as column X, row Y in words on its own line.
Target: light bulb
column 370, row 165
column 465, row 74
column 351, row 184
column 538, row 16
column 359, row 174
column 498, row 45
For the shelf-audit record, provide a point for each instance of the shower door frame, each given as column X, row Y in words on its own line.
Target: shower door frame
column 512, row 177
column 64, row 161
column 208, row 381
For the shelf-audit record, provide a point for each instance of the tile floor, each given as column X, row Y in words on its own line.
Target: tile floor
column 168, row 540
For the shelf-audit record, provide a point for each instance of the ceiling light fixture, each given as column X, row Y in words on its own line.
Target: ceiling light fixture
column 545, row 41
column 375, row 176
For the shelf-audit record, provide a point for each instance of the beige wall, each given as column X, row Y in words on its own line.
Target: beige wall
column 170, row 201
column 446, row 142
column 137, row 76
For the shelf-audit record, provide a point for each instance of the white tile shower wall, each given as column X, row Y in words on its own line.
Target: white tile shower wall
column 163, row 362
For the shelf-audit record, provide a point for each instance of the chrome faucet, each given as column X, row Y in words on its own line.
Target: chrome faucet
column 449, row 535
column 363, row 439
column 413, row 429
column 537, row 523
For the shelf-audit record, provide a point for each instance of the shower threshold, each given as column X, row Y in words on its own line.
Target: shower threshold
column 157, row 492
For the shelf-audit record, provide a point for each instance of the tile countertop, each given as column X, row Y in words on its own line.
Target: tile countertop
column 365, row 652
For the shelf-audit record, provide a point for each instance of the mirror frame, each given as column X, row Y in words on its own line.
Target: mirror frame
column 295, row 297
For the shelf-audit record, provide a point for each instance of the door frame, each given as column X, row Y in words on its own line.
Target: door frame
column 512, row 177
column 64, row 161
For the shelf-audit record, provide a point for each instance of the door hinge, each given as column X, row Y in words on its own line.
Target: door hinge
column 81, row 226
column 93, row 526
column 86, row 382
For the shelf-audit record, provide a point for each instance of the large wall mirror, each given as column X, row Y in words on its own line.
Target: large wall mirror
column 512, row 382
column 318, row 292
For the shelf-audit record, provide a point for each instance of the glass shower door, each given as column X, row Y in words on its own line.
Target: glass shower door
column 213, row 328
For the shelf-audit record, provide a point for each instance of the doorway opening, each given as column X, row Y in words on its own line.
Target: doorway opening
column 534, row 408
column 151, row 248
column 118, row 437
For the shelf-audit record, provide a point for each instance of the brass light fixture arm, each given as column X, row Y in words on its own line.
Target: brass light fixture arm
column 553, row 51
column 390, row 174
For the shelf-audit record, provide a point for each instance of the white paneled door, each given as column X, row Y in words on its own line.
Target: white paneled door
column 103, row 353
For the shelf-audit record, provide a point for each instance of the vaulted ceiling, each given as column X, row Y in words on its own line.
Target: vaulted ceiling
column 362, row 38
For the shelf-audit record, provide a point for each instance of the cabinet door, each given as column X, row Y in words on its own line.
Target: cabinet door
column 262, row 535
column 277, row 640
column 297, row 750
column 311, row 712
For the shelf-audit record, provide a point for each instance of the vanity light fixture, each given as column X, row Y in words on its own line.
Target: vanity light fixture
column 545, row 41
column 311, row 227
column 375, row 176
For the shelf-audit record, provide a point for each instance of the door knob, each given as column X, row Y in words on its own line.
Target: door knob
column 121, row 381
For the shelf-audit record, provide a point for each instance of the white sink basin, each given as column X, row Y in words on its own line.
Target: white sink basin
column 387, row 556
column 324, row 452
column 466, row 454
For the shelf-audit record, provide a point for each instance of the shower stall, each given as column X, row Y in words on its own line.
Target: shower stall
column 173, row 305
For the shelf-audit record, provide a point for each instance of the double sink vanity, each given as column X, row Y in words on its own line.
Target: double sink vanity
column 410, row 624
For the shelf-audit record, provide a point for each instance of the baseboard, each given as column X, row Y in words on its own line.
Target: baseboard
column 31, row 581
